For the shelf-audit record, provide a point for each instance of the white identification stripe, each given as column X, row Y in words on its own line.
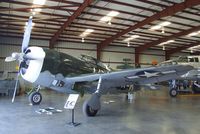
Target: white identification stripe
column 168, row 72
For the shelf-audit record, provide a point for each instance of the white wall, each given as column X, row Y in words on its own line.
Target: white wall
column 147, row 57
column 114, row 55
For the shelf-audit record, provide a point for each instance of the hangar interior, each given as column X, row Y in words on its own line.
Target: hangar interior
column 145, row 32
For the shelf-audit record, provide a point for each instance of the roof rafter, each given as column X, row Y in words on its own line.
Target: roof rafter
column 85, row 4
column 166, row 12
column 178, row 49
column 35, row 7
column 182, row 33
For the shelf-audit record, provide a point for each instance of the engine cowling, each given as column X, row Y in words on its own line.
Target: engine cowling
column 31, row 66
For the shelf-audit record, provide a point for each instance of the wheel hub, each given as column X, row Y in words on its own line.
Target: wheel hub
column 173, row 92
column 36, row 98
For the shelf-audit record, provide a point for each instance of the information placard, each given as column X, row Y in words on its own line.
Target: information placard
column 71, row 101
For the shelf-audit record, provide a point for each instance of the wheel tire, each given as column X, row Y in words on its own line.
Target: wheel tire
column 173, row 92
column 35, row 98
column 88, row 111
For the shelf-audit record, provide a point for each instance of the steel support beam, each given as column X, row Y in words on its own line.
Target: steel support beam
column 98, row 53
column 182, row 33
column 28, row 9
column 167, row 54
column 137, row 58
column 166, row 12
column 85, row 4
column 178, row 49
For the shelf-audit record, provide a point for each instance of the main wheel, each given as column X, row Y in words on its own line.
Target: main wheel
column 88, row 111
column 173, row 92
column 35, row 98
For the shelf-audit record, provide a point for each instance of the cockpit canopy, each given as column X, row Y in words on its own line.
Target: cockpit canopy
column 181, row 60
column 188, row 59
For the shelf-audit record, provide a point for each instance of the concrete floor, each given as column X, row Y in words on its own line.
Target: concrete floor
column 152, row 112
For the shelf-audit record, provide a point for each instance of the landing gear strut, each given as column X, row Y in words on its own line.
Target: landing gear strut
column 93, row 105
column 173, row 92
column 35, row 96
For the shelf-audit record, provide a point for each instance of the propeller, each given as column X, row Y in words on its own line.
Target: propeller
column 16, row 85
column 15, row 56
column 21, row 56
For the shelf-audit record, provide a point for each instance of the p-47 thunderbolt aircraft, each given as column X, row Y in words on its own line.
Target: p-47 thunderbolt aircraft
column 64, row 73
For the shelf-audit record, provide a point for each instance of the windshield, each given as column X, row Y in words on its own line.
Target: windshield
column 182, row 59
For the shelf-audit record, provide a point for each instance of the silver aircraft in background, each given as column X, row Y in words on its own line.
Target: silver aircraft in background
column 191, row 76
column 67, row 74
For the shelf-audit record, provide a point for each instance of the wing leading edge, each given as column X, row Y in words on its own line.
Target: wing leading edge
column 133, row 76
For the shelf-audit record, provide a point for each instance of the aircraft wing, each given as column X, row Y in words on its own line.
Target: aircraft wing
column 129, row 77
column 191, row 75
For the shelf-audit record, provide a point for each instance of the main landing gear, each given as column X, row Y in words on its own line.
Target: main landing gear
column 88, row 110
column 93, row 105
column 35, row 97
column 173, row 92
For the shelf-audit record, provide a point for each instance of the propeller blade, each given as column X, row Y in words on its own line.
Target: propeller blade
column 9, row 59
column 27, row 34
column 16, row 84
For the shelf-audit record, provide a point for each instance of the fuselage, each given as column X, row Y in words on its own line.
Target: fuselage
column 50, row 68
column 64, row 73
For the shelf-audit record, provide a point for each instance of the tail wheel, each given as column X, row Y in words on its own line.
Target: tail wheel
column 89, row 111
column 35, row 98
column 173, row 92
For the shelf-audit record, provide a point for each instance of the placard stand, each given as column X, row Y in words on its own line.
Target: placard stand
column 74, row 124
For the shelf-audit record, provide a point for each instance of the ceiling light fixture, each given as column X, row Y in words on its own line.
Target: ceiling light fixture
column 193, row 34
column 135, row 36
column 170, row 41
column 161, row 25
column 109, row 23
column 89, row 30
column 165, row 23
column 86, row 32
column 37, row 2
column 105, row 19
column 131, row 38
column 163, row 47
column 108, row 17
column 83, row 40
column 37, row 10
column 163, row 30
column 166, row 42
column 113, row 13
column 156, row 27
